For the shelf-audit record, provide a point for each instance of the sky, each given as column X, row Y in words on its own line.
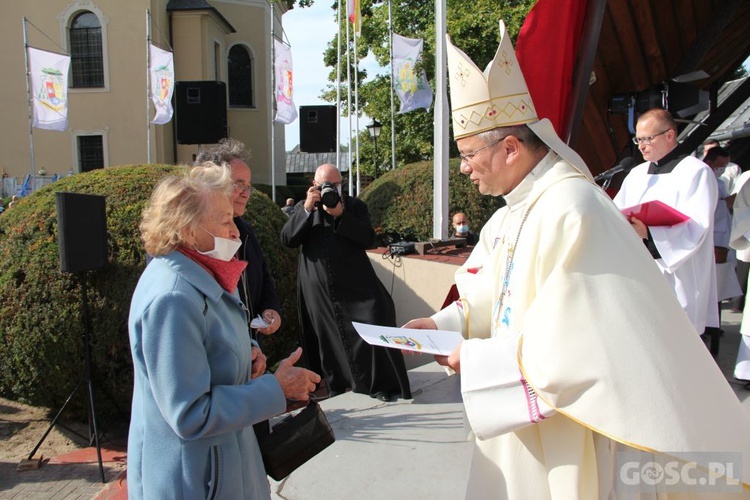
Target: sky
column 308, row 31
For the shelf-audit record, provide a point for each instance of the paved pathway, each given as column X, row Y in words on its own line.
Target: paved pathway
column 403, row 450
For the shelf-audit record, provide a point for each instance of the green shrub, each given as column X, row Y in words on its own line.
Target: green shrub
column 41, row 348
column 400, row 202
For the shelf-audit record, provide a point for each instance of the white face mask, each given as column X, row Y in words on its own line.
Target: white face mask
column 463, row 228
column 224, row 248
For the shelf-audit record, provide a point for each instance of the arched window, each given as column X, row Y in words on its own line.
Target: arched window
column 86, row 55
column 240, row 76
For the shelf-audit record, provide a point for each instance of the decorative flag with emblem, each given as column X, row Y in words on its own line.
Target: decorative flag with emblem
column 162, row 83
column 355, row 15
column 49, row 88
column 413, row 90
column 286, row 112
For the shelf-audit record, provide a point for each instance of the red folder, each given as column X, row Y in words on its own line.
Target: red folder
column 655, row 213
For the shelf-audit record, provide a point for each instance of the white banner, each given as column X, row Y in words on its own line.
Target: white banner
column 162, row 84
column 286, row 112
column 413, row 91
column 49, row 88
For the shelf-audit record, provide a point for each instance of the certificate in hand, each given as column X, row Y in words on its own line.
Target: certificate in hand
column 655, row 213
column 440, row 342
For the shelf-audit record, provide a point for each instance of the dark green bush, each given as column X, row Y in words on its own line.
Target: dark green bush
column 41, row 348
column 400, row 202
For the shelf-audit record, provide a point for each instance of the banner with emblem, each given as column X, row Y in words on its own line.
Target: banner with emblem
column 413, row 90
column 48, row 74
column 286, row 112
column 162, row 83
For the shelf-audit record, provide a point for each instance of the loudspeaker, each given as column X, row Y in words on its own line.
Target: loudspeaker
column 317, row 129
column 201, row 112
column 81, row 231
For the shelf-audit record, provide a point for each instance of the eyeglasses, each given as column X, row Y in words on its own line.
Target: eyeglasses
column 243, row 188
column 647, row 140
column 469, row 156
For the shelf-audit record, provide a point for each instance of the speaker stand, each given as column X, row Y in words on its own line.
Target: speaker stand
column 93, row 432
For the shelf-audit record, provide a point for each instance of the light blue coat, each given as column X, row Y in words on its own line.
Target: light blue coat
column 194, row 404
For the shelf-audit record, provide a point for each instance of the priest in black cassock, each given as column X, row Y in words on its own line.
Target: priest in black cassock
column 336, row 285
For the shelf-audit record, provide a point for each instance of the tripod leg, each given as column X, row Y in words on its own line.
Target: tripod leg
column 54, row 421
column 92, row 417
column 87, row 360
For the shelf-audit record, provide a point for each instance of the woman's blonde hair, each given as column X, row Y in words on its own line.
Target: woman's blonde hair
column 178, row 204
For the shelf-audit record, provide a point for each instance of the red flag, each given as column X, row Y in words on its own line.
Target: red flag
column 355, row 15
column 547, row 48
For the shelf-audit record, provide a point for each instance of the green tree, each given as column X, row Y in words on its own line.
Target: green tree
column 473, row 26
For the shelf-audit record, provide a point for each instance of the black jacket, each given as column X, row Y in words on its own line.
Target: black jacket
column 256, row 285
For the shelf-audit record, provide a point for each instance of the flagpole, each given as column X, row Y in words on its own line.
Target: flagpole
column 349, row 104
column 356, row 110
column 393, row 113
column 338, row 95
column 440, row 137
column 271, row 107
column 148, row 87
column 29, row 96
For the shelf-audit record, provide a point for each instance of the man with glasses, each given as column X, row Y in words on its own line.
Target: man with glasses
column 336, row 284
column 575, row 347
column 256, row 285
column 684, row 252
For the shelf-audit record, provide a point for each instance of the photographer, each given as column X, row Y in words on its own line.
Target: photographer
column 336, row 285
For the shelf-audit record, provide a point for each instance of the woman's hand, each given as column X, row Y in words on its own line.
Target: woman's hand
column 259, row 363
column 274, row 322
column 297, row 383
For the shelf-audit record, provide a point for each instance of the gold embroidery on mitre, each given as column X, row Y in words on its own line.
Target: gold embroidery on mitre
column 462, row 74
column 499, row 112
column 506, row 63
column 495, row 97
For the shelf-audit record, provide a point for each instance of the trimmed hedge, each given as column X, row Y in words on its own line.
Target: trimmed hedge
column 400, row 202
column 41, row 348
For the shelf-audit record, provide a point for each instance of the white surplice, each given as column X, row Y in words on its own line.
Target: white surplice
column 740, row 240
column 686, row 249
column 594, row 337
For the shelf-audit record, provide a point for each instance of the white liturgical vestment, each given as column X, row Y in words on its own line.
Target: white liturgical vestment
column 584, row 323
column 740, row 241
column 686, row 249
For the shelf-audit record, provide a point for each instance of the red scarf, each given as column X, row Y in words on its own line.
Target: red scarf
column 227, row 274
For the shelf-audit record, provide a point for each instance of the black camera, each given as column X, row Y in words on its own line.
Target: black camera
column 329, row 195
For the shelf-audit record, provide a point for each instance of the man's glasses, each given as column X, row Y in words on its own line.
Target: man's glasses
column 243, row 188
column 647, row 140
column 469, row 156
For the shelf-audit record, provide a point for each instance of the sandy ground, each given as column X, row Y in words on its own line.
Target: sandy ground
column 22, row 426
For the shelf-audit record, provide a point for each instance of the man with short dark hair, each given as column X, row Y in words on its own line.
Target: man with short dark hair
column 461, row 228
column 684, row 252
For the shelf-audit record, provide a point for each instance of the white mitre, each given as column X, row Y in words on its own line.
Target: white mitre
column 498, row 97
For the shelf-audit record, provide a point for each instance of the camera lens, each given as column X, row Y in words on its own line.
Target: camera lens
column 329, row 195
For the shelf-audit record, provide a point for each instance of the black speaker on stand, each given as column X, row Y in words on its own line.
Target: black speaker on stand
column 82, row 239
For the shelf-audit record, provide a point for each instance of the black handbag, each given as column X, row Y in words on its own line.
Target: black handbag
column 295, row 440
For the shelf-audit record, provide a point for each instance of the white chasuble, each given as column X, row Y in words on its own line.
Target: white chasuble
column 587, row 323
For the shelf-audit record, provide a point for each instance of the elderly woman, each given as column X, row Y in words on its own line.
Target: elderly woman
column 199, row 386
